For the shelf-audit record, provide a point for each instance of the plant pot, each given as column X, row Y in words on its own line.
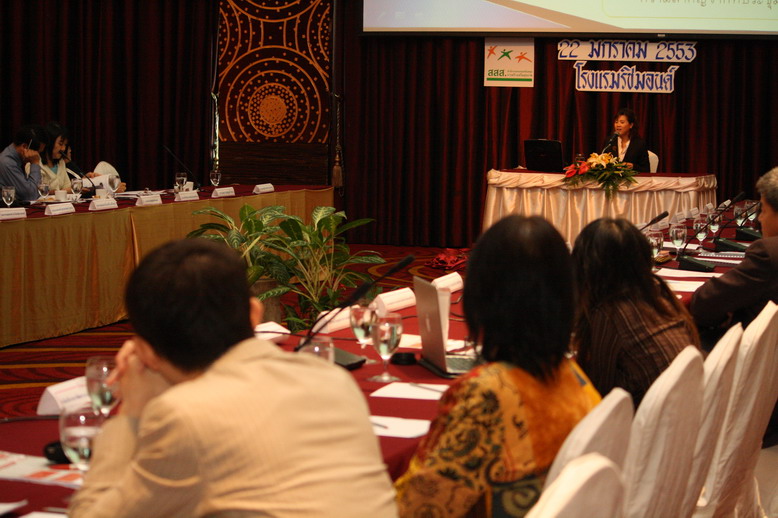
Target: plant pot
column 273, row 310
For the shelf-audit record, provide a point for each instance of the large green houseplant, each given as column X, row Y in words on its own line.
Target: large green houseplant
column 310, row 260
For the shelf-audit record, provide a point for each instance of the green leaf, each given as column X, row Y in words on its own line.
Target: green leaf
column 275, row 292
column 353, row 224
column 213, row 211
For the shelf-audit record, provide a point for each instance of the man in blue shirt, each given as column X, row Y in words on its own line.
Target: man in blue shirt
column 28, row 143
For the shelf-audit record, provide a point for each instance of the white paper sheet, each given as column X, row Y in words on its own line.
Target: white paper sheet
column 671, row 272
column 7, row 507
column 409, row 341
column 399, row 427
column 685, row 286
column 427, row 391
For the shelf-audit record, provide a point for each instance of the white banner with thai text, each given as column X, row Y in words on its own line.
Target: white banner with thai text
column 627, row 50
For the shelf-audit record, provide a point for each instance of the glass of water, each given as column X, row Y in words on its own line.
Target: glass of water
column 739, row 214
column 386, row 333
column 103, row 396
column 714, row 218
column 9, row 195
column 77, row 430
column 43, row 187
column 700, row 226
column 678, row 237
column 76, row 186
column 215, row 177
column 320, row 346
column 656, row 239
column 180, row 180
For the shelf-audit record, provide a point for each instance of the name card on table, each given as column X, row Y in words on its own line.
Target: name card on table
column 189, row 196
column 15, row 213
column 452, row 281
column 679, row 217
column 70, row 393
column 694, row 212
column 59, row 208
column 262, row 188
column 103, row 204
column 395, row 300
column 341, row 321
column 223, row 192
column 662, row 225
column 147, row 200
column 709, row 207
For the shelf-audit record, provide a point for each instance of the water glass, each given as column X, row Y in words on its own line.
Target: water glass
column 751, row 207
column 386, row 333
column 320, row 346
column 9, row 195
column 43, row 187
column 678, row 237
column 76, row 186
column 215, row 177
column 700, row 226
column 656, row 239
column 113, row 184
column 77, row 430
column 180, row 180
column 739, row 214
column 714, row 219
column 103, row 396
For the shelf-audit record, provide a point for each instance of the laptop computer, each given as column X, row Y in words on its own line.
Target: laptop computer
column 544, row 155
column 432, row 307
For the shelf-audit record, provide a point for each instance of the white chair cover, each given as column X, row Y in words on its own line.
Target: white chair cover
column 653, row 162
column 719, row 373
column 588, row 486
column 754, row 391
column 604, row 430
column 659, row 457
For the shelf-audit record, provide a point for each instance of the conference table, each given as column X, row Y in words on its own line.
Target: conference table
column 570, row 209
column 63, row 274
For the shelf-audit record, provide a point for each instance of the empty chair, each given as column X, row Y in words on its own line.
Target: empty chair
column 604, row 430
column 719, row 373
column 653, row 162
column 730, row 482
column 589, row 485
column 659, row 457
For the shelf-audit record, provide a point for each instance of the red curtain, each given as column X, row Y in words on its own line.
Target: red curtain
column 124, row 77
column 421, row 130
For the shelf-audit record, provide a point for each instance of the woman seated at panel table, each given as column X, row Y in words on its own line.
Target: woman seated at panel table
column 630, row 325
column 626, row 144
column 500, row 426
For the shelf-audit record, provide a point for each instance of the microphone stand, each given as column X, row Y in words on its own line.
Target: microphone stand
column 726, row 245
column 191, row 174
column 748, row 234
column 610, row 142
column 689, row 263
column 656, row 219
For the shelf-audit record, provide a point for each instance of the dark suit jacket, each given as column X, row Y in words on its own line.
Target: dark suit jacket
column 637, row 153
column 741, row 292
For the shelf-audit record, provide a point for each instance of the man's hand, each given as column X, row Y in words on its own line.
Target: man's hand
column 30, row 155
column 138, row 383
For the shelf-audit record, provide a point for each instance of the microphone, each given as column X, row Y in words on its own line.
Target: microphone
column 191, row 174
column 748, row 234
column 686, row 262
column 726, row 245
column 355, row 296
column 610, row 142
column 656, row 219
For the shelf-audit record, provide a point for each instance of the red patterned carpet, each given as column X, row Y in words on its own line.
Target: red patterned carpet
column 27, row 369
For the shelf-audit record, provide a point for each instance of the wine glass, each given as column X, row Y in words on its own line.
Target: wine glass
column 714, row 219
column 361, row 317
column 180, row 180
column 103, row 396
column 320, row 346
column 700, row 226
column 751, row 206
column 678, row 237
column 113, row 184
column 43, row 187
column 76, row 186
column 656, row 239
column 215, row 177
column 77, row 430
column 9, row 194
column 740, row 214
column 386, row 333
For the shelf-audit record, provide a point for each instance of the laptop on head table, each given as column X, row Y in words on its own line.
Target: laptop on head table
column 544, row 155
column 432, row 307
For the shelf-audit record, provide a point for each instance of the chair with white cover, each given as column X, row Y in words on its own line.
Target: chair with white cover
column 730, row 489
column 604, row 430
column 659, row 457
column 653, row 162
column 719, row 373
column 589, row 485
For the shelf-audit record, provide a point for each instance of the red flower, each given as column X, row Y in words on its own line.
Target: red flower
column 584, row 168
column 570, row 171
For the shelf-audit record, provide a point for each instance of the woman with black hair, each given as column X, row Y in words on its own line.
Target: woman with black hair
column 500, row 426
column 626, row 144
column 630, row 325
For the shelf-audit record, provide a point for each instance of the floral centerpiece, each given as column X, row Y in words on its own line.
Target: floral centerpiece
column 604, row 169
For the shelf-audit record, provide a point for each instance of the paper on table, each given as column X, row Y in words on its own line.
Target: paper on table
column 7, row 507
column 40, row 514
column 670, row 246
column 27, row 468
column 429, row 391
column 684, row 285
column 399, row 427
column 671, row 272
column 409, row 341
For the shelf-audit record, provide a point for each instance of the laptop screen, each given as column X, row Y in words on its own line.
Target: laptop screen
column 544, row 155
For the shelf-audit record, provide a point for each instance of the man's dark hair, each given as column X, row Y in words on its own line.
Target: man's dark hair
column 519, row 296
column 32, row 134
column 189, row 300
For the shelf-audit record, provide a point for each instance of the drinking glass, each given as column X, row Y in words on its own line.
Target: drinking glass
column 678, row 237
column 43, row 187
column 386, row 333
column 76, row 186
column 216, row 177
column 656, row 239
column 320, row 346
column 715, row 222
column 9, row 194
column 77, row 430
column 180, row 180
column 113, row 184
column 361, row 317
column 740, row 214
column 750, row 207
column 103, row 396
column 700, row 226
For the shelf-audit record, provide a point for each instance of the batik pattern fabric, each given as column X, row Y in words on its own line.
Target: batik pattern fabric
column 496, row 434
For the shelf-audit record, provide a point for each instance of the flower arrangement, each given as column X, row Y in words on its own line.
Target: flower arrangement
column 605, row 169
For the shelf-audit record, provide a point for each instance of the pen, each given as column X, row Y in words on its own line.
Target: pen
column 417, row 385
column 379, row 425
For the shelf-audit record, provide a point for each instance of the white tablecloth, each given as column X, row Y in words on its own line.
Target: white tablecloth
column 571, row 209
